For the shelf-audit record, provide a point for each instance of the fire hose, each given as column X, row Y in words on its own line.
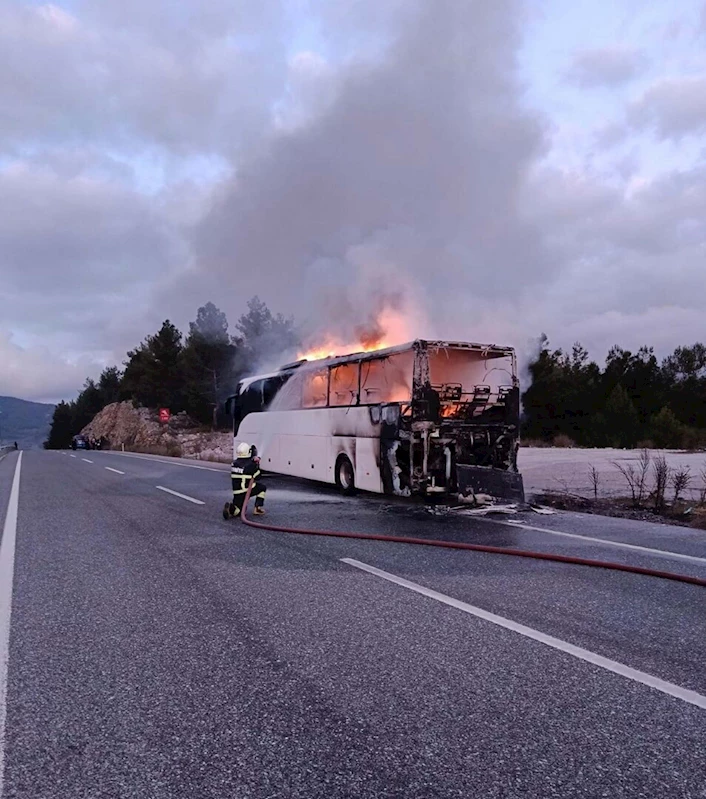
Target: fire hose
column 519, row 553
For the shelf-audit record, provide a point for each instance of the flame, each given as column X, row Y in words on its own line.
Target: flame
column 390, row 328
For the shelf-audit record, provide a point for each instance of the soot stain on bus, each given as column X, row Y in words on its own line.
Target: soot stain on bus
column 429, row 418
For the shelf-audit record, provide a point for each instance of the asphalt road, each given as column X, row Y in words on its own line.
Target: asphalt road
column 157, row 651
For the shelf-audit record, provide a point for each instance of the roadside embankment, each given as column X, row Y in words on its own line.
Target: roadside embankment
column 140, row 430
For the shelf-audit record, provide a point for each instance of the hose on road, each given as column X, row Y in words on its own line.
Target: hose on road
column 519, row 553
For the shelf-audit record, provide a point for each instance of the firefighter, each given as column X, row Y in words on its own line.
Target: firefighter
column 245, row 467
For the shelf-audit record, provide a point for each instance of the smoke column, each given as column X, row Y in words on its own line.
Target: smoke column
column 391, row 183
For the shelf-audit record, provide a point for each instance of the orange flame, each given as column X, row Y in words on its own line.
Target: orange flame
column 390, row 328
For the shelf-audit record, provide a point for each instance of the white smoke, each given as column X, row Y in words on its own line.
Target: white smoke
column 395, row 188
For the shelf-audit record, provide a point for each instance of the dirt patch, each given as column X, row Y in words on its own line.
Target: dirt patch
column 682, row 514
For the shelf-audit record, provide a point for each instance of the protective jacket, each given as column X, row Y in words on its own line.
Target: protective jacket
column 242, row 472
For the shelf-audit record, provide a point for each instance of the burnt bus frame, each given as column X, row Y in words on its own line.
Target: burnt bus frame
column 416, row 424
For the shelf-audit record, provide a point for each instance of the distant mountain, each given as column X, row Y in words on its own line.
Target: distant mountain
column 25, row 422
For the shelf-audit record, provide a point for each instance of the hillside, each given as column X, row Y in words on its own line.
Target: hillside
column 25, row 422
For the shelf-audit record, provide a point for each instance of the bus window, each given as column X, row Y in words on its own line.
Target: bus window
column 250, row 400
column 343, row 387
column 270, row 387
column 451, row 368
column 387, row 379
column 315, row 389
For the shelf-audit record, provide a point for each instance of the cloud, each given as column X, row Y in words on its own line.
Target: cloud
column 631, row 253
column 674, row 107
column 35, row 373
column 611, row 134
column 131, row 75
column 605, row 66
column 74, row 250
column 158, row 155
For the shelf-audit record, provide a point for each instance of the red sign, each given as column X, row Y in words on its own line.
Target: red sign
column 164, row 415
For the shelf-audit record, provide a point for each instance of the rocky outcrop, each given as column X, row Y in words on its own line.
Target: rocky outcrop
column 139, row 430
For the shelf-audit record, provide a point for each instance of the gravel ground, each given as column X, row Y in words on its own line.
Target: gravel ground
column 557, row 470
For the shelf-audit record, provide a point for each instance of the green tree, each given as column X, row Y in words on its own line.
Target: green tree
column 641, row 377
column 109, row 385
column 88, row 403
column 541, row 414
column 62, row 427
column 562, row 395
column 666, row 431
column 209, row 364
column 264, row 336
column 153, row 376
column 685, row 373
column 622, row 420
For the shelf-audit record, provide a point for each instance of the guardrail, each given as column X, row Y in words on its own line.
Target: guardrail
column 7, row 448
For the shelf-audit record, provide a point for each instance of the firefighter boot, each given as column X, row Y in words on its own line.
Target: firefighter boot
column 259, row 510
column 226, row 511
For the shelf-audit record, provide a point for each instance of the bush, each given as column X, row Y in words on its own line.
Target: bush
column 693, row 439
column 666, row 430
column 564, row 441
column 173, row 450
column 661, row 472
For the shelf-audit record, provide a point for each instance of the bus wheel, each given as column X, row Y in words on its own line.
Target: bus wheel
column 345, row 476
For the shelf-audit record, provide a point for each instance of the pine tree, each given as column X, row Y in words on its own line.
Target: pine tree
column 61, row 431
column 622, row 420
column 153, row 377
column 209, row 364
column 666, row 431
column 109, row 385
column 266, row 337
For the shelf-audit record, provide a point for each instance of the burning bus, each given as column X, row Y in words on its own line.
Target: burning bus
column 426, row 418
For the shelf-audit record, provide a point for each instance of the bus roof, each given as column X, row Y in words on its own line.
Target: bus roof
column 490, row 351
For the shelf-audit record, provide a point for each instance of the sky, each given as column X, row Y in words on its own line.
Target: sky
column 484, row 171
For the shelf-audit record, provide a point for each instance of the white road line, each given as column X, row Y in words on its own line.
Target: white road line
column 171, row 463
column 86, row 460
column 72, row 456
column 665, row 687
column 183, row 496
column 664, row 553
column 7, row 572
column 117, row 471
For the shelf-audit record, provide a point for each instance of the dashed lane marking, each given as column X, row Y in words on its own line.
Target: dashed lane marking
column 182, row 496
column 171, row 463
column 117, row 471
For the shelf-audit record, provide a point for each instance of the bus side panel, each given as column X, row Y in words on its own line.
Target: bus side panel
column 270, row 455
column 367, row 465
column 307, row 443
column 306, row 456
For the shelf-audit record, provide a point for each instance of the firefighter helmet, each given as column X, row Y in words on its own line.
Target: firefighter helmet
column 243, row 450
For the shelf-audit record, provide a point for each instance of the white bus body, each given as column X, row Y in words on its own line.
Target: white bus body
column 429, row 417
